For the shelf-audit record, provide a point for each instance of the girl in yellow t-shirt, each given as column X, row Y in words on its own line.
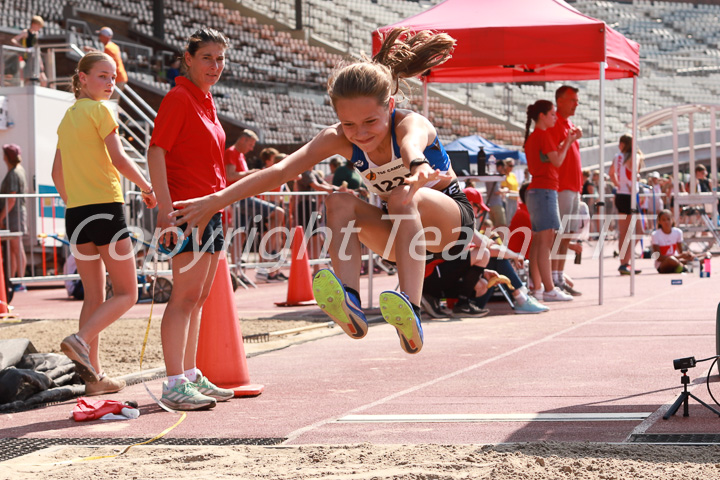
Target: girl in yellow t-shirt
column 88, row 162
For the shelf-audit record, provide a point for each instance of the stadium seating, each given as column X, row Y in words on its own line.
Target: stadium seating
column 274, row 81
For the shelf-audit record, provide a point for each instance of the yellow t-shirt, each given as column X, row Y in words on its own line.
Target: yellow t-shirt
column 511, row 182
column 90, row 177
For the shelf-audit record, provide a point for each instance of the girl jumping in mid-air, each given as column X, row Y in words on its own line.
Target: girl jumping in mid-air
column 399, row 156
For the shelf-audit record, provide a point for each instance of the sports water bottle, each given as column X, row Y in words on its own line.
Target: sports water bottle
column 491, row 166
column 705, row 268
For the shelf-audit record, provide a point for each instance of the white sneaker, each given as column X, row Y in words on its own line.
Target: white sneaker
column 537, row 294
column 556, row 295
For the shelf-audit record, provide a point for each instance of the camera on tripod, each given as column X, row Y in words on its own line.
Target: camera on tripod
column 684, row 363
column 684, row 399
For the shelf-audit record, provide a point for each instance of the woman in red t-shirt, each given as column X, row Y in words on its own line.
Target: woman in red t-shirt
column 544, row 158
column 186, row 159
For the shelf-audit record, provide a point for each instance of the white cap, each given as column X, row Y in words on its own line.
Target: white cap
column 107, row 31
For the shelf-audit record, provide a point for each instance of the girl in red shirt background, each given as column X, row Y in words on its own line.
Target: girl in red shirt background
column 543, row 158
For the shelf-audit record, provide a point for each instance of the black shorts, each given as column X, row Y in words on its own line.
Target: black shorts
column 99, row 223
column 623, row 203
column 212, row 240
column 467, row 223
column 467, row 220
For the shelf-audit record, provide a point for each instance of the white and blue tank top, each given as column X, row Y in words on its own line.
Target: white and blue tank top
column 382, row 179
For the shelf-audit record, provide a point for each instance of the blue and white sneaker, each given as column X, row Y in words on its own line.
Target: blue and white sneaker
column 398, row 312
column 531, row 306
column 341, row 306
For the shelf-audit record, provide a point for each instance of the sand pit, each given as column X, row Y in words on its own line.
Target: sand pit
column 540, row 461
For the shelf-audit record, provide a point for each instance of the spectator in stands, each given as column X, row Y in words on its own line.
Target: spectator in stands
column 13, row 214
column 702, row 183
column 656, row 197
column 397, row 152
column 186, row 160
column 271, row 237
column 588, row 186
column 253, row 211
column 511, row 185
column 521, row 227
column 105, row 35
column 621, row 175
column 570, row 180
column 589, row 191
column 28, row 38
column 88, row 162
column 544, row 158
column 267, row 157
column 668, row 187
column 236, row 166
column 343, row 171
column 172, row 72
column 496, row 198
column 307, row 208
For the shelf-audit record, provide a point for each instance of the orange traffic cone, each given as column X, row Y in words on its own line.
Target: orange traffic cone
column 300, row 282
column 3, row 293
column 221, row 354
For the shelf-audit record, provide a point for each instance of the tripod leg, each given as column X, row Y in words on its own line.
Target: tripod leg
column 674, row 408
column 704, row 404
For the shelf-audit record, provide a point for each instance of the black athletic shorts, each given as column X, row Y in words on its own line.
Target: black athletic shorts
column 467, row 219
column 99, row 223
column 212, row 240
column 622, row 203
column 467, row 222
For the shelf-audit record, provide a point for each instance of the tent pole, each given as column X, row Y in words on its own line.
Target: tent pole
column 633, row 200
column 676, row 166
column 426, row 107
column 713, row 161
column 601, row 187
column 691, row 153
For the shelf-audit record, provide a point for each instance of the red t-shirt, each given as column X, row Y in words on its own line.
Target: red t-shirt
column 235, row 158
column 187, row 127
column 570, row 172
column 537, row 147
column 519, row 234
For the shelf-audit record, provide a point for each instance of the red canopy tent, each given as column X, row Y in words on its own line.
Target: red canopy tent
column 524, row 41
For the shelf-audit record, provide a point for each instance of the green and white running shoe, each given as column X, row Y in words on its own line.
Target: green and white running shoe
column 398, row 312
column 184, row 396
column 207, row 388
column 340, row 305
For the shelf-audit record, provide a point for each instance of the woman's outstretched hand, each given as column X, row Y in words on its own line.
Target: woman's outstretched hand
column 420, row 178
column 194, row 212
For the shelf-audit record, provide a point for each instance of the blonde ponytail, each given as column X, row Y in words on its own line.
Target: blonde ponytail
column 402, row 55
